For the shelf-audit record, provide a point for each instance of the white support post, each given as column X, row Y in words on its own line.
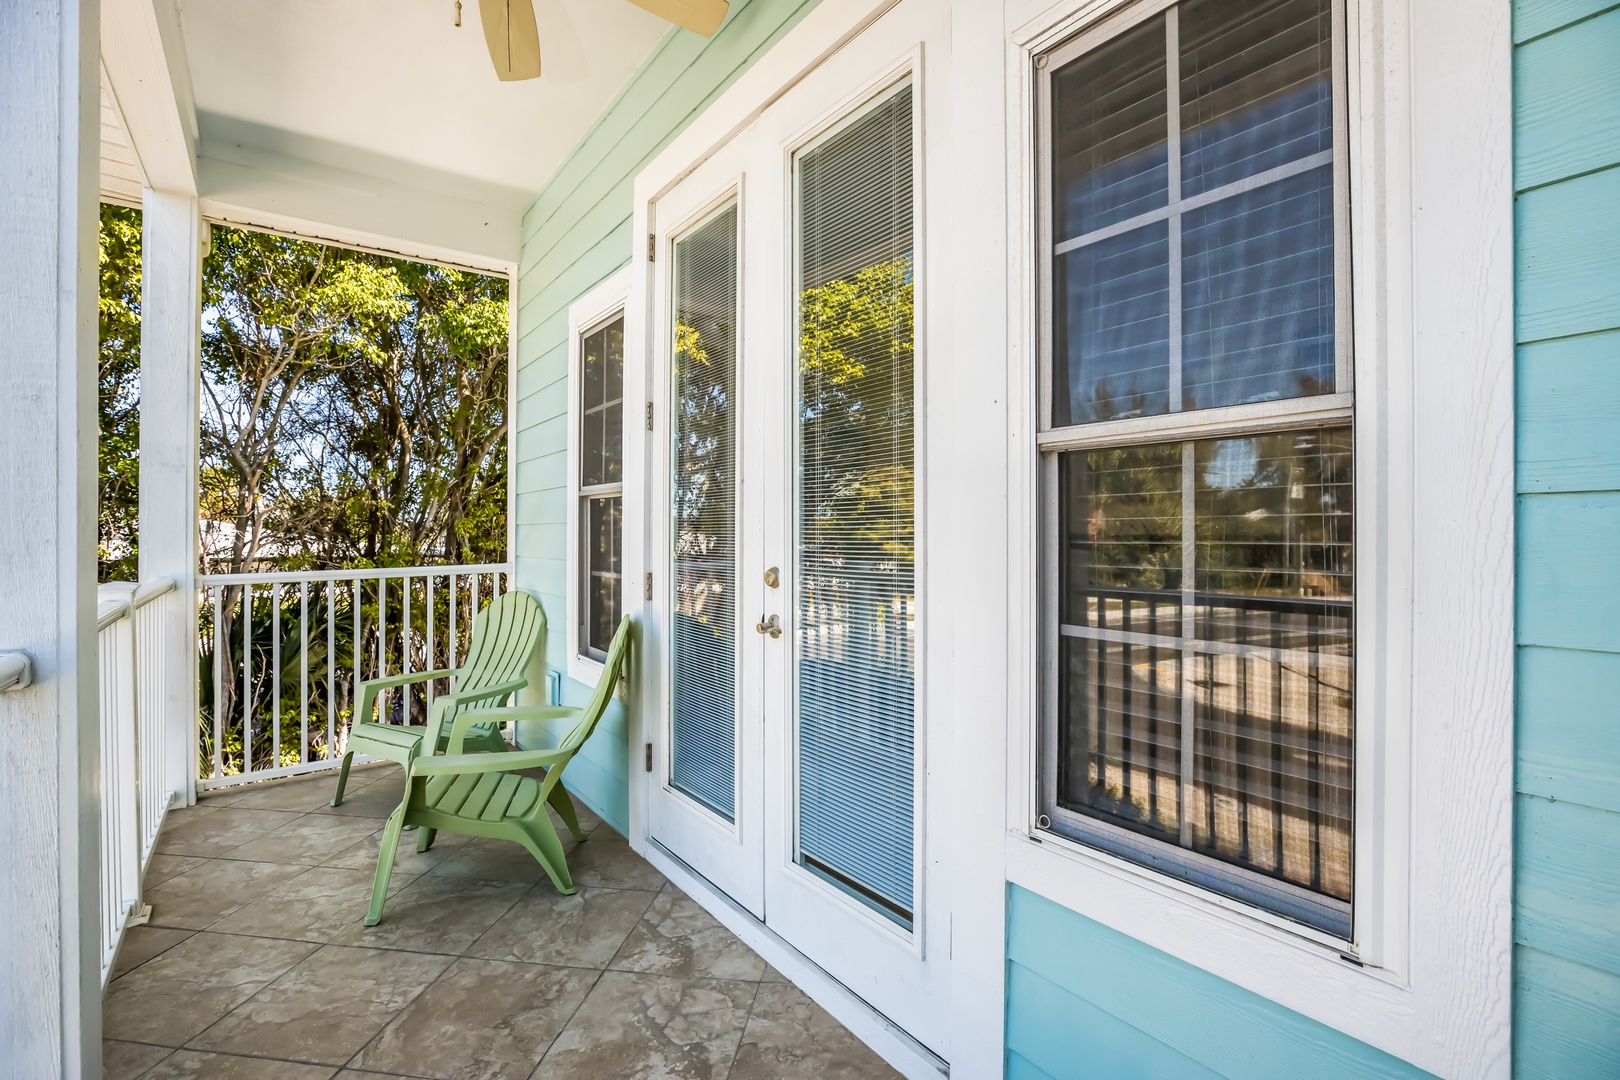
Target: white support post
column 50, row 1005
column 173, row 239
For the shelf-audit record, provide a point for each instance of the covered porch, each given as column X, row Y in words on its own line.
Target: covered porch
column 256, row 963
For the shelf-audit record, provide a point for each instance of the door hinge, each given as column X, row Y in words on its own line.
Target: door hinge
column 649, row 416
column 649, row 587
column 649, row 757
column 652, row 247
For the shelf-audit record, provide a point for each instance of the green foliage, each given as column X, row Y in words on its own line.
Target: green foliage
column 118, row 392
column 354, row 409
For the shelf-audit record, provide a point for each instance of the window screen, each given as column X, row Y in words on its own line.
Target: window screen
column 1200, row 657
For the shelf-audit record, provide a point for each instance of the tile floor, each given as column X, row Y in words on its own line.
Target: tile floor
column 256, row 964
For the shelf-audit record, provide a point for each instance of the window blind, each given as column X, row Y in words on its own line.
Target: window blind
column 703, row 727
column 856, row 603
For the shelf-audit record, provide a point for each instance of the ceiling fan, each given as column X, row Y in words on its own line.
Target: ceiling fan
column 514, row 38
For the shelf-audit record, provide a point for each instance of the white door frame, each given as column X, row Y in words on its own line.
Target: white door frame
column 965, row 858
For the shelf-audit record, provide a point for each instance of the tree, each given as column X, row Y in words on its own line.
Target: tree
column 354, row 416
column 119, row 392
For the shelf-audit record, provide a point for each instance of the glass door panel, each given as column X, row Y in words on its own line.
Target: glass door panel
column 856, row 604
column 703, row 720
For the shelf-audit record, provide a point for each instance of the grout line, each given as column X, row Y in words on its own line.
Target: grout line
column 743, row 1034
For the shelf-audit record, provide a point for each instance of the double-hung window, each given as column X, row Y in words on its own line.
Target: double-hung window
column 1196, row 451
column 600, row 486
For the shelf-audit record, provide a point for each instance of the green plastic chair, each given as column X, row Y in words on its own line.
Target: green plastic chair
column 482, row 794
column 505, row 637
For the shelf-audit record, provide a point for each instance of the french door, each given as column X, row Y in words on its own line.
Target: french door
column 786, row 720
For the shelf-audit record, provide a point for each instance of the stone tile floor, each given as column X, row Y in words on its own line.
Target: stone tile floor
column 257, row 966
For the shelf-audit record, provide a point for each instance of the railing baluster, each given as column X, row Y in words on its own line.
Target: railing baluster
column 382, row 644
column 331, row 670
column 354, row 691
column 247, row 676
column 405, row 648
column 455, row 639
column 303, row 672
column 432, row 655
column 220, row 656
column 275, row 675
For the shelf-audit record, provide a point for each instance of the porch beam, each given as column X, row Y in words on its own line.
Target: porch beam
column 173, row 242
column 50, row 1015
column 144, row 53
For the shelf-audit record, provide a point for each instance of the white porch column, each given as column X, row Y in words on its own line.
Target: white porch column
column 172, row 242
column 50, row 1005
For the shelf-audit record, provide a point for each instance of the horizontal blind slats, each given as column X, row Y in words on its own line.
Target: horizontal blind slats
column 856, row 605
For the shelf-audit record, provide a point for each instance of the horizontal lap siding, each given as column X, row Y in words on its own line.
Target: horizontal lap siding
column 1567, row 816
column 576, row 234
column 1085, row 1001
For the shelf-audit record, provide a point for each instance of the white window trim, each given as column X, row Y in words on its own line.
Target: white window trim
column 608, row 298
column 1435, row 511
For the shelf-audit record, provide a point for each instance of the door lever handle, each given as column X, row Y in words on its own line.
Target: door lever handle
column 769, row 625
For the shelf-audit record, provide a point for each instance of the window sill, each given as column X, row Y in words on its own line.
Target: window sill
column 1286, row 962
column 584, row 670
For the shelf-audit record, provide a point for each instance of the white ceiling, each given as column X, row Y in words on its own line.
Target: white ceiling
column 321, row 109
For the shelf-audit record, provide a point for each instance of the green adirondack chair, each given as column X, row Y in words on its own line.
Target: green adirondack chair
column 483, row 794
column 505, row 637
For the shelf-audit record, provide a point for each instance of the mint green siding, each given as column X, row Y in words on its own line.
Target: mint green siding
column 1566, row 68
column 576, row 234
column 1085, row 1001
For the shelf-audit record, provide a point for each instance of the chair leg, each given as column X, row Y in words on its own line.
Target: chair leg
column 564, row 806
column 540, row 838
column 424, row 839
column 343, row 778
column 385, row 865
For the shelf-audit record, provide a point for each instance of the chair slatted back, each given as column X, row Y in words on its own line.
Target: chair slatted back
column 506, row 635
column 594, row 709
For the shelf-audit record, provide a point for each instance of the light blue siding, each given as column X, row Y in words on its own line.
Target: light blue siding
column 576, row 234
column 1086, row 1001
column 1567, row 813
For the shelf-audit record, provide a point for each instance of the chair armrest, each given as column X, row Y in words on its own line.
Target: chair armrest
column 448, row 764
column 369, row 688
column 506, row 713
column 454, row 703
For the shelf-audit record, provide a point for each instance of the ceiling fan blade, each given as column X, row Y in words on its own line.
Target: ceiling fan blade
column 512, row 37
column 699, row 16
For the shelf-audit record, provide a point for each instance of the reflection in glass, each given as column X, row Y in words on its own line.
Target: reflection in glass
column 1257, row 294
column 1108, row 135
column 603, row 537
column 1119, row 750
column 855, row 626
column 1111, row 341
column 1237, row 244
column 704, row 714
column 1263, row 684
column 1256, row 87
column 601, row 405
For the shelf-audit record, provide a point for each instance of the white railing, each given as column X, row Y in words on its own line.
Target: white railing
column 278, row 685
column 135, row 749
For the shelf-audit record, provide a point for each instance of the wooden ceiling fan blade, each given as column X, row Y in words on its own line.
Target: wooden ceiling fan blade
column 699, row 16
column 512, row 37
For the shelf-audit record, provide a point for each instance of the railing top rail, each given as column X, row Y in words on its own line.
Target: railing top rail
column 109, row 612
column 151, row 590
column 369, row 573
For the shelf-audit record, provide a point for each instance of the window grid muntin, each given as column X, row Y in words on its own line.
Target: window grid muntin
column 1273, row 895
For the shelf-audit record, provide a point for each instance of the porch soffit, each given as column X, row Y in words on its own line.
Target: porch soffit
column 380, row 122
